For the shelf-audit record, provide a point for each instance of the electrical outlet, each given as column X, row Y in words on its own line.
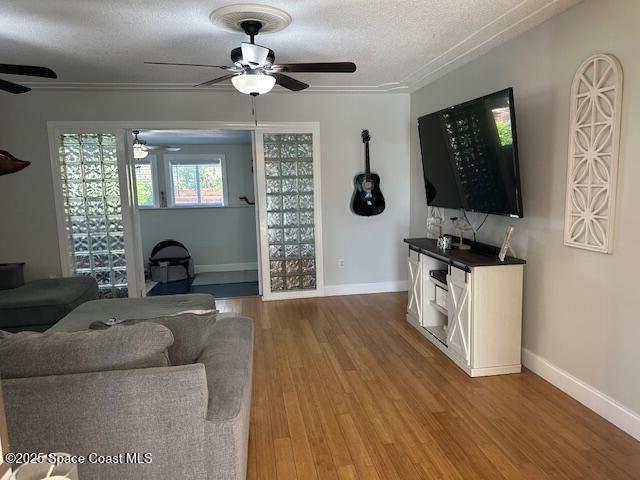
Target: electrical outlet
column 340, row 263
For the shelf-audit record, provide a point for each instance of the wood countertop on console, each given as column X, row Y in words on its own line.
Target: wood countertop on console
column 480, row 255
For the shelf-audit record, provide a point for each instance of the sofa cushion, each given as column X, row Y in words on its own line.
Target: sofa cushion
column 44, row 302
column 134, row 308
column 123, row 347
column 190, row 334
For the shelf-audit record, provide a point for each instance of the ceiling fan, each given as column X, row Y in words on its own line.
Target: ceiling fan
column 254, row 72
column 9, row 163
column 26, row 70
column 141, row 149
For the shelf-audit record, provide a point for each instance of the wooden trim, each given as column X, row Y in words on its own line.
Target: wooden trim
column 136, row 253
column 257, row 213
column 63, row 241
column 261, row 202
column 605, row 406
column 365, row 288
column 135, row 279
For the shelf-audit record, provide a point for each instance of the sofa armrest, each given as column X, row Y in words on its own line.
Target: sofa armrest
column 228, row 358
column 160, row 411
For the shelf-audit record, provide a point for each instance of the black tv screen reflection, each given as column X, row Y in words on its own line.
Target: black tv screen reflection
column 470, row 156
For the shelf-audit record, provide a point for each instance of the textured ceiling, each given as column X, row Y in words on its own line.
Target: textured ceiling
column 398, row 45
column 196, row 137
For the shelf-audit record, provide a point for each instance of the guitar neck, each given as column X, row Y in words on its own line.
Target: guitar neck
column 367, row 166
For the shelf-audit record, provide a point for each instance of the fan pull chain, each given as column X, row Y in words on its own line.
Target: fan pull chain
column 253, row 110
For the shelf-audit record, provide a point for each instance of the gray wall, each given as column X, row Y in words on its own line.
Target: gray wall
column 371, row 247
column 581, row 309
column 214, row 236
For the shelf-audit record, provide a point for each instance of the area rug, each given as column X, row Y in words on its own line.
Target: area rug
column 225, row 290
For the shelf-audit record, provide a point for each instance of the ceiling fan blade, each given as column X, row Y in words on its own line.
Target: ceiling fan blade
column 215, row 80
column 166, row 148
column 13, row 87
column 28, row 70
column 288, row 82
column 186, row 65
column 326, row 67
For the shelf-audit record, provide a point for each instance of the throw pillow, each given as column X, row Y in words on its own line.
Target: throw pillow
column 190, row 333
column 124, row 347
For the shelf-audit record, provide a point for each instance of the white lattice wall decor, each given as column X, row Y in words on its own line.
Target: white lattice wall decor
column 596, row 101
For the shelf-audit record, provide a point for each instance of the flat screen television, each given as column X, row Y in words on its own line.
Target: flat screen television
column 470, row 156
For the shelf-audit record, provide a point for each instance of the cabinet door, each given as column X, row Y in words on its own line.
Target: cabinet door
column 459, row 327
column 414, row 305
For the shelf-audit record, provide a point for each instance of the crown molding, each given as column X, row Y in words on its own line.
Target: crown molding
column 500, row 30
column 510, row 24
column 391, row 87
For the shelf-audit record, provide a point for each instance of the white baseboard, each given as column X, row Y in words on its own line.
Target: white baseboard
column 362, row 288
column 226, row 267
column 605, row 406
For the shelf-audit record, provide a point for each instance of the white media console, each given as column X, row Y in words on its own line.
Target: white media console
column 468, row 304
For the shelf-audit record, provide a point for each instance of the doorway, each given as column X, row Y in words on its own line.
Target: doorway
column 95, row 180
column 195, row 191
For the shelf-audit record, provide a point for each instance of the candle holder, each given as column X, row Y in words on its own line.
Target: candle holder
column 462, row 226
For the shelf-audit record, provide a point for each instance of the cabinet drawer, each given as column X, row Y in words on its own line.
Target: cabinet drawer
column 458, row 275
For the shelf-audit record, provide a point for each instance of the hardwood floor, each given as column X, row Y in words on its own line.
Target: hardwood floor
column 345, row 388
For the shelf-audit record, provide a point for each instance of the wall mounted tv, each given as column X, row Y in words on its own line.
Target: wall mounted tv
column 470, row 156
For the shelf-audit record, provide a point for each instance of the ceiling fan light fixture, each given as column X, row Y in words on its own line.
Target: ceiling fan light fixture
column 253, row 83
column 139, row 150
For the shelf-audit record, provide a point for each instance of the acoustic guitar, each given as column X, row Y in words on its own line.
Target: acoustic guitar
column 367, row 198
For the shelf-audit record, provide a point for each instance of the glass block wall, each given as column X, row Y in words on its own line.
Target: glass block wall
column 93, row 213
column 290, row 213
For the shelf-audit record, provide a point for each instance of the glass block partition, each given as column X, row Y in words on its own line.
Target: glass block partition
column 93, row 212
column 290, row 212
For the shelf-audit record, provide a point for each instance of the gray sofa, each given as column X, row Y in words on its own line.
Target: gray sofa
column 39, row 304
column 191, row 416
